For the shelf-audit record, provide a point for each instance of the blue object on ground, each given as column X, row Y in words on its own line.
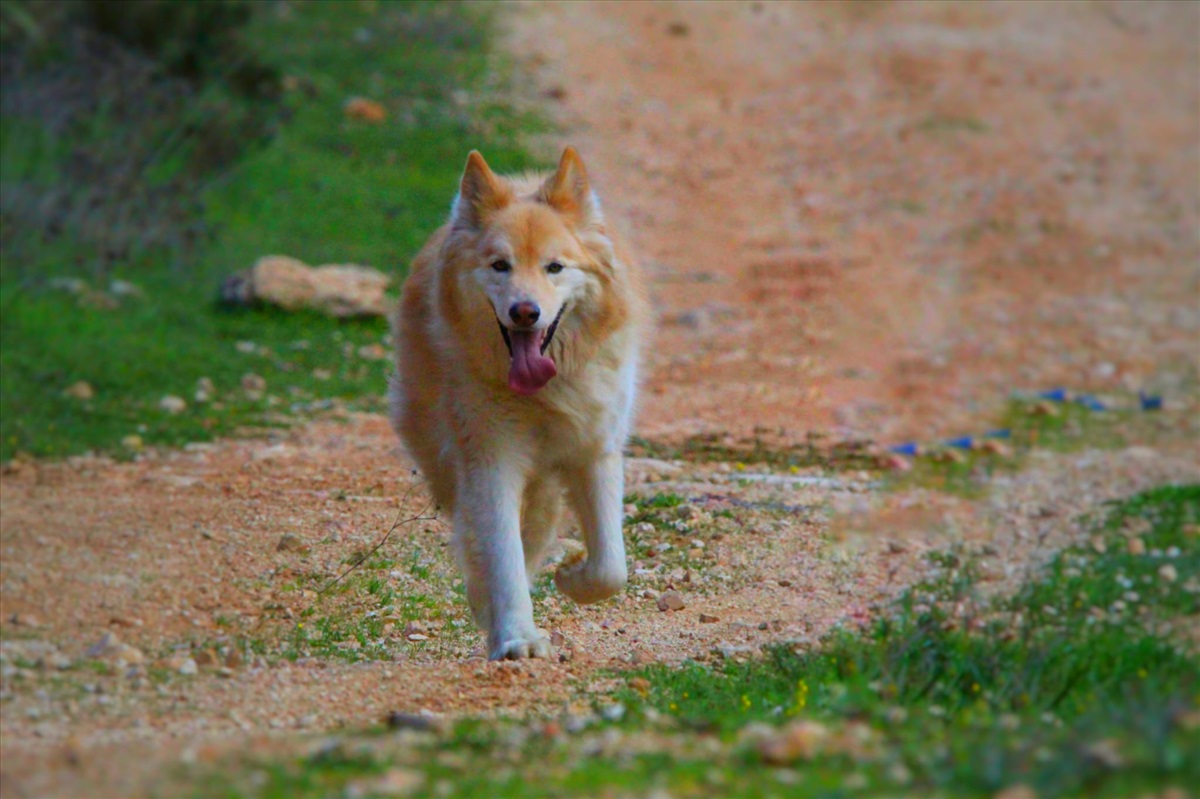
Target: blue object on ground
column 1091, row 403
column 1055, row 394
column 1150, row 402
column 908, row 448
column 962, row 442
column 1003, row 432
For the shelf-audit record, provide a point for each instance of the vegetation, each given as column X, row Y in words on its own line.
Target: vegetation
column 181, row 169
column 1082, row 683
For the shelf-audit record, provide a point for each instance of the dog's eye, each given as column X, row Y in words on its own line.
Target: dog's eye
column 554, row 267
column 501, row 265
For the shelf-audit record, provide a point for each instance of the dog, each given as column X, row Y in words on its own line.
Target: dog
column 518, row 339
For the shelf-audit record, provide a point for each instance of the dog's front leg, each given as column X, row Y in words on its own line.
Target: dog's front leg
column 487, row 528
column 596, row 492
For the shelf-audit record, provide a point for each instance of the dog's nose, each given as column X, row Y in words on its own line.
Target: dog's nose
column 524, row 313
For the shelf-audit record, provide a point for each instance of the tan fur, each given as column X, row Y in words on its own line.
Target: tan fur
column 498, row 461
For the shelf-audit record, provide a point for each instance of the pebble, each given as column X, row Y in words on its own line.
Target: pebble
column 393, row 782
column 1137, row 546
column 414, row 627
column 172, row 404
column 365, row 110
column 707, row 619
column 784, row 583
column 81, row 390
column 417, row 637
column 671, row 600
column 290, row 542
column 800, row 739
column 1168, row 573
column 253, row 384
column 133, row 442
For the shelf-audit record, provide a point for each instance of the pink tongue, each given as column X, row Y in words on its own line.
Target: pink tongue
column 530, row 370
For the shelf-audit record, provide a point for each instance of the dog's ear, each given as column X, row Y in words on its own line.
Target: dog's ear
column 567, row 191
column 480, row 193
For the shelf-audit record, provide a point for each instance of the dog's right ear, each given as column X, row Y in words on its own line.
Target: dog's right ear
column 480, row 193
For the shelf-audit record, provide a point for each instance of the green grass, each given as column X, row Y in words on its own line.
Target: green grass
column 324, row 189
column 948, row 694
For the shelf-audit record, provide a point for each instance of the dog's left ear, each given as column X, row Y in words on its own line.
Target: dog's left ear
column 567, row 191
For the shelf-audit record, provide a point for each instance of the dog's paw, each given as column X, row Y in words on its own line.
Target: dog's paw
column 586, row 585
column 531, row 646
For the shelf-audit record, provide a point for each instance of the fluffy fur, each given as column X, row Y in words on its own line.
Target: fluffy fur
column 499, row 460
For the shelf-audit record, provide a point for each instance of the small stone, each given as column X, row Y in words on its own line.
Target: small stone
column 126, row 654
column 993, row 447
column 25, row 620
column 1099, row 545
column 206, row 658
column 290, row 542
column 558, row 640
column 1137, row 546
column 133, row 442
column 707, row 619
column 397, row 720
column 234, row 659
column 417, row 637
column 372, row 352
column 414, row 627
column 685, row 512
column 798, row 740
column 253, row 384
column 123, row 288
column 107, row 643
column 950, row 456
column 613, row 712
column 172, row 404
column 785, row 583
column 1167, row 573
column 895, row 462
column 205, row 390
column 671, row 600
column 82, row 390
column 1044, row 409
column 186, row 666
column 364, row 110
column 897, row 547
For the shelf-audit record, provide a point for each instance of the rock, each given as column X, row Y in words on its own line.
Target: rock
column 127, row 655
column 123, row 288
column 1016, row 792
column 133, row 442
column 1167, row 573
column 1044, row 408
column 373, row 352
column 397, row 720
column 414, row 627
column 338, row 290
column 172, row 404
column 1137, row 546
column 364, row 110
column 107, row 643
column 671, row 600
column 897, row 547
column 25, row 620
column 799, row 740
column 393, row 782
column 416, row 637
column 183, row 665
column 993, row 447
column 784, row 583
column 81, row 390
column 290, row 542
column 205, row 658
column 707, row 619
column 253, row 384
column 234, row 659
column 894, row 462
column 613, row 712
column 205, row 390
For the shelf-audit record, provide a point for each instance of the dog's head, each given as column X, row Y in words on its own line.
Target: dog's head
column 531, row 260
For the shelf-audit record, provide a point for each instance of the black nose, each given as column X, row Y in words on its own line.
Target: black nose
column 524, row 313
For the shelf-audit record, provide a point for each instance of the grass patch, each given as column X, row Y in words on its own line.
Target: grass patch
column 1056, row 687
column 760, row 449
column 323, row 188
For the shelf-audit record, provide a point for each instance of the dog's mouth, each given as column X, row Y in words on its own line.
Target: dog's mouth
column 530, row 369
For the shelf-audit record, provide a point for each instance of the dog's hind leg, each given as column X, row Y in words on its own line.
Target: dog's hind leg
column 541, row 514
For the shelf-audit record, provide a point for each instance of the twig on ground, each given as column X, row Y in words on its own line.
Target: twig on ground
column 422, row 516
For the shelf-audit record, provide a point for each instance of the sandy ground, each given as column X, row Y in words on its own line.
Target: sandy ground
column 862, row 219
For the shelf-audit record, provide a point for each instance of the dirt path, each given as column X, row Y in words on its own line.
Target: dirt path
column 861, row 219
